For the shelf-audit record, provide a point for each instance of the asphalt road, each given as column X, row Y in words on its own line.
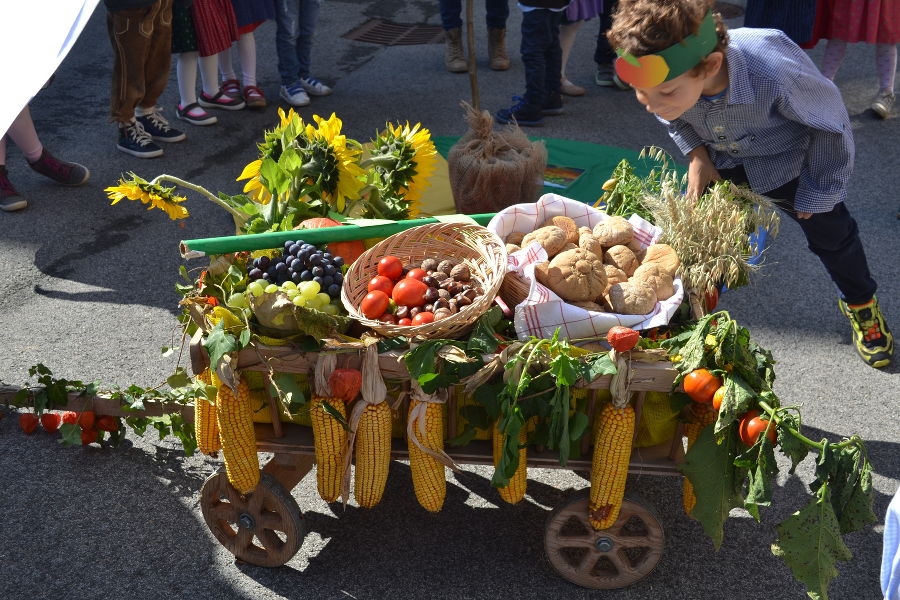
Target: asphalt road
column 87, row 289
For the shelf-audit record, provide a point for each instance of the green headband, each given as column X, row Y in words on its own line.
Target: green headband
column 652, row 69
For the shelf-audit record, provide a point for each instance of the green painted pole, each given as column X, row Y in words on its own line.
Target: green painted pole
column 345, row 233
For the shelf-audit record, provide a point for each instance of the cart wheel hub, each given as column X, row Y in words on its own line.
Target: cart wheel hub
column 604, row 544
column 246, row 521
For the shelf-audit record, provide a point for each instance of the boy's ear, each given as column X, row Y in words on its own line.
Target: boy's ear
column 713, row 63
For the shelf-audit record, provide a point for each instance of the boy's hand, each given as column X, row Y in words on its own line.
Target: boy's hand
column 803, row 215
column 701, row 172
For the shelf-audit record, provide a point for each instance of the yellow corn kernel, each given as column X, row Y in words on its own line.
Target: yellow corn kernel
column 515, row 490
column 428, row 472
column 609, row 468
column 206, row 424
column 658, row 421
column 701, row 419
column 329, row 437
column 372, row 453
column 238, row 437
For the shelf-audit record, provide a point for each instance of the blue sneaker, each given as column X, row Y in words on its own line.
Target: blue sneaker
column 314, row 87
column 135, row 141
column 294, row 94
column 158, row 127
column 520, row 113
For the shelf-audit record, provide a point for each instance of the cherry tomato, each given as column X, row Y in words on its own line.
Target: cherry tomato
column 718, row 397
column 752, row 425
column 423, row 318
column 701, row 385
column 417, row 274
column 409, row 292
column 391, row 267
column 404, row 322
column 380, row 283
column 374, row 304
column 388, row 318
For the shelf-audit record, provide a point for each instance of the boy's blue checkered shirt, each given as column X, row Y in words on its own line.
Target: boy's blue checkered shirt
column 780, row 118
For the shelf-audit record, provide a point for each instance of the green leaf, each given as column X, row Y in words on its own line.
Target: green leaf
column 578, row 424
column 510, row 425
column 20, row 398
column 70, row 434
column 465, row 437
column 693, row 351
column 848, row 476
column 565, row 369
column 739, row 397
column 596, row 366
column 762, row 469
column 182, row 270
column 179, row 378
column 788, row 443
column 716, row 479
column 218, row 344
column 809, row 542
column 388, row 344
column 483, row 338
column 244, row 338
column 235, row 275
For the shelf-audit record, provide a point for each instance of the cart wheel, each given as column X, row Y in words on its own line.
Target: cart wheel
column 612, row 558
column 264, row 528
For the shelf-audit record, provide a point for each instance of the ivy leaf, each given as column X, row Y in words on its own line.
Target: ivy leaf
column 219, row 343
column 788, row 443
column 244, row 338
column 762, row 469
column 483, row 339
column 716, row 479
column 739, row 396
column 179, row 378
column 291, row 393
column 70, row 434
column 235, row 275
column 578, row 424
column 592, row 368
column 809, row 542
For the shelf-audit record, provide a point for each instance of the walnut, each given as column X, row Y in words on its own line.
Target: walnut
column 588, row 242
column 461, row 273
column 621, row 257
column 664, row 256
column 575, row 275
column 552, row 238
column 614, row 231
column 632, row 298
column 430, row 264
column 567, row 225
column 510, row 248
column 446, row 266
column 515, row 238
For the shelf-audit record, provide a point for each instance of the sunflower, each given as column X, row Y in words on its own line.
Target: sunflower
column 156, row 196
column 413, row 155
column 343, row 159
column 255, row 188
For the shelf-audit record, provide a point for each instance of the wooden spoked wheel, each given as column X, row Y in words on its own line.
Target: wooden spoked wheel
column 264, row 528
column 613, row 558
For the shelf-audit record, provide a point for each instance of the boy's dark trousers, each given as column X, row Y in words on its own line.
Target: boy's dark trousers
column 541, row 55
column 604, row 54
column 832, row 236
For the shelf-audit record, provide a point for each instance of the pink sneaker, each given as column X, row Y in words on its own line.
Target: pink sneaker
column 221, row 100
column 10, row 200
column 60, row 171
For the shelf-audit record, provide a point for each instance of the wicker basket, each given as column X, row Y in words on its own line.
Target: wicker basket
column 481, row 250
column 514, row 289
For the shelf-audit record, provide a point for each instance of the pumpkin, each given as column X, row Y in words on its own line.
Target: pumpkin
column 622, row 339
column 345, row 384
column 349, row 251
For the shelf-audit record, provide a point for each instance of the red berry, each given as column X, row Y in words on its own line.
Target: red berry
column 50, row 422
column 107, row 423
column 70, row 417
column 87, row 419
column 88, row 436
column 28, row 422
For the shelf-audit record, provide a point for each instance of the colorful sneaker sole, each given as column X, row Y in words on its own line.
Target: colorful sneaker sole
column 222, row 101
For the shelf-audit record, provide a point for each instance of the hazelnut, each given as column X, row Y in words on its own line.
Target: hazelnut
column 431, row 294
column 441, row 303
column 439, row 276
column 446, row 266
column 430, row 264
column 461, row 273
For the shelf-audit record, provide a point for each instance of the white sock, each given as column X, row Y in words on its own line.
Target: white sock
column 226, row 68
column 186, row 70
column 247, row 54
column 209, row 73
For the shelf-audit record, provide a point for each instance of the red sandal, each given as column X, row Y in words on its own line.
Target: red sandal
column 254, row 96
column 231, row 87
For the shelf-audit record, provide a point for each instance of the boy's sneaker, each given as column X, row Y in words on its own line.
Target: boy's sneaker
column 135, row 141
column 553, row 105
column 10, row 200
column 871, row 335
column 294, row 94
column 194, row 114
column 157, row 126
column 60, row 171
column 520, row 113
column 314, row 87
column 606, row 77
column 883, row 104
column 221, row 100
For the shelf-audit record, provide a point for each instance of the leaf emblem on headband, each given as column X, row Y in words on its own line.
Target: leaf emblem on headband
column 628, row 57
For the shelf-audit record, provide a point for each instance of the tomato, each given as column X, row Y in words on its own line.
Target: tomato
column 751, row 425
column 404, row 322
column 417, row 274
column 423, row 318
column 718, row 397
column 388, row 318
column 701, row 385
column 380, row 283
column 391, row 267
column 374, row 304
column 409, row 292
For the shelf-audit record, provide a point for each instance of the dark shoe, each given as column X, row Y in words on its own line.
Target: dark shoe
column 157, row 126
column 135, row 141
column 202, row 119
column 221, row 100
column 871, row 335
column 10, row 200
column 606, row 77
column 884, row 104
column 231, row 87
column 499, row 61
column 454, row 56
column 60, row 171
column 553, row 105
column 520, row 113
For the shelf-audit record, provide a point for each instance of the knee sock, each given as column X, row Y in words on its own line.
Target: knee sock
column 834, row 55
column 247, row 53
column 2, row 150
column 209, row 74
column 186, row 70
column 886, row 61
column 226, row 68
column 567, row 34
column 22, row 132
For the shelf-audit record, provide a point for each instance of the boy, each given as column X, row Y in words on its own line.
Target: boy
column 750, row 106
column 295, row 27
column 542, row 58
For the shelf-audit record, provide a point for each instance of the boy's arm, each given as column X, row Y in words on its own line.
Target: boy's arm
column 701, row 171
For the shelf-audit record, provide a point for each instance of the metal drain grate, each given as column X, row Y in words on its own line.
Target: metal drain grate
column 386, row 33
column 729, row 10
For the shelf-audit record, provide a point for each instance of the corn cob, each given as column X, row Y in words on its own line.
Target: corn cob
column 329, row 437
column 609, row 469
column 238, row 437
column 701, row 419
column 372, row 453
column 515, row 490
column 206, row 423
column 428, row 472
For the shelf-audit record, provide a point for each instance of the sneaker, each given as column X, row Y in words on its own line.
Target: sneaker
column 190, row 114
column 157, row 126
column 314, row 87
column 294, row 94
column 883, row 104
column 135, row 141
column 221, row 100
column 604, row 75
column 60, row 171
column 10, row 200
column 254, row 96
column 871, row 335
column 553, row 105
column 231, row 87
column 570, row 89
column 520, row 113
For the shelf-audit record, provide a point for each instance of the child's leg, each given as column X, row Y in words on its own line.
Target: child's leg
column 226, row 67
column 186, row 71
column 567, row 33
column 287, row 15
column 246, row 46
column 834, row 56
column 24, row 135
column 306, row 22
column 209, row 74
column 886, row 61
column 553, row 57
column 159, row 58
column 536, row 39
